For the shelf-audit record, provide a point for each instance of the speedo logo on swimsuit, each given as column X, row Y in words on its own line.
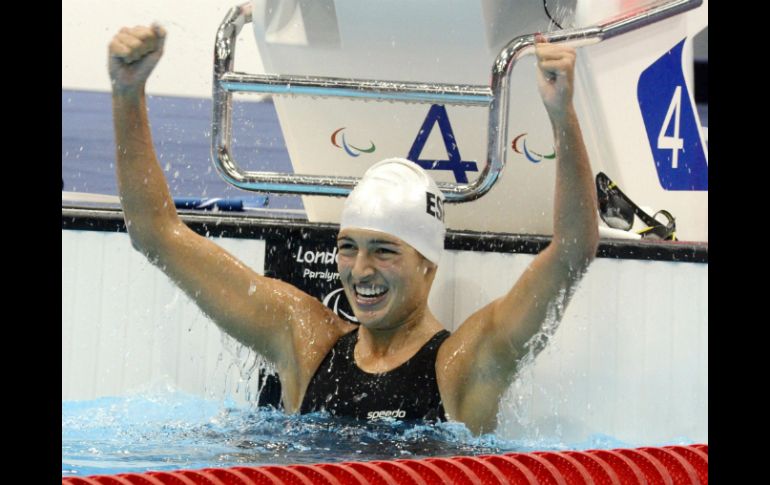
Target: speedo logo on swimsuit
column 397, row 413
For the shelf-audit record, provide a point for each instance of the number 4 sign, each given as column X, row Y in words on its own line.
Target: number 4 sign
column 672, row 128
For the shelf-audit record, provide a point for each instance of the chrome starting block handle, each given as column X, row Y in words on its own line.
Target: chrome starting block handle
column 495, row 98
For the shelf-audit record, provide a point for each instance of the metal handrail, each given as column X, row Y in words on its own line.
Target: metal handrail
column 496, row 97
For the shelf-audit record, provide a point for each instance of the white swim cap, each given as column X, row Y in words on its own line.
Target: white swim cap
column 397, row 197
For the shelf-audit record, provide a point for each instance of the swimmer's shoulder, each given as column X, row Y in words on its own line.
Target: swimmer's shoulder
column 304, row 327
column 460, row 353
column 343, row 326
column 317, row 325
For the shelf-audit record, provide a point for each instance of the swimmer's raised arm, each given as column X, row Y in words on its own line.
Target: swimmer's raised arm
column 576, row 223
column 479, row 361
column 265, row 314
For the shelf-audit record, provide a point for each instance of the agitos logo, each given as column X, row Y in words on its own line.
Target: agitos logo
column 350, row 149
column 338, row 303
column 529, row 153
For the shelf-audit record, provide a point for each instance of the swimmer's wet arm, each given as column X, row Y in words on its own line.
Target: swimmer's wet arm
column 576, row 221
column 144, row 195
column 482, row 357
column 575, row 230
column 257, row 311
column 543, row 291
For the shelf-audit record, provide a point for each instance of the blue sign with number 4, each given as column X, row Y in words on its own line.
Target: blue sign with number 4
column 672, row 128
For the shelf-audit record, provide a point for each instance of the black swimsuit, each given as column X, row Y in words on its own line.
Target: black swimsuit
column 408, row 392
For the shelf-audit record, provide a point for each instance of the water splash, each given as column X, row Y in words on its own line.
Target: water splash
column 515, row 415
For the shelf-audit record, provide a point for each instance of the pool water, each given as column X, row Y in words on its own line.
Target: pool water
column 169, row 430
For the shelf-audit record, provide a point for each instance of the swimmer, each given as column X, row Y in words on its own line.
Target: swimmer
column 399, row 362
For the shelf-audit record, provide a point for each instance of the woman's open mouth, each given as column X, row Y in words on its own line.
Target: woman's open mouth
column 369, row 295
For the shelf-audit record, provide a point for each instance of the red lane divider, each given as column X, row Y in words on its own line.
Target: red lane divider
column 545, row 473
column 573, row 471
column 654, row 471
column 696, row 457
column 626, row 470
column 432, row 474
column 668, row 465
column 373, row 474
column 601, row 473
column 513, row 470
column 345, row 475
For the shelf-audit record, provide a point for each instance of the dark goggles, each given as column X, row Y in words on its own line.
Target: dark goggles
column 618, row 211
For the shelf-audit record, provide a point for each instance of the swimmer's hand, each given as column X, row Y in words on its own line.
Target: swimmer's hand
column 555, row 75
column 133, row 54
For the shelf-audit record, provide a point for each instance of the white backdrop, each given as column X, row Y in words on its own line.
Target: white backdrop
column 88, row 26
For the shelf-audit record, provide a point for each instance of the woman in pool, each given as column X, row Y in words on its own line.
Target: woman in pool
column 400, row 362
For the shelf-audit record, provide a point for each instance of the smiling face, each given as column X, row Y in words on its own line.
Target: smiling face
column 386, row 280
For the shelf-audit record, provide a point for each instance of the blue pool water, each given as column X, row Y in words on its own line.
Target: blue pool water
column 168, row 430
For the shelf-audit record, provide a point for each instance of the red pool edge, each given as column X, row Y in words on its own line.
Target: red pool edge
column 678, row 464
